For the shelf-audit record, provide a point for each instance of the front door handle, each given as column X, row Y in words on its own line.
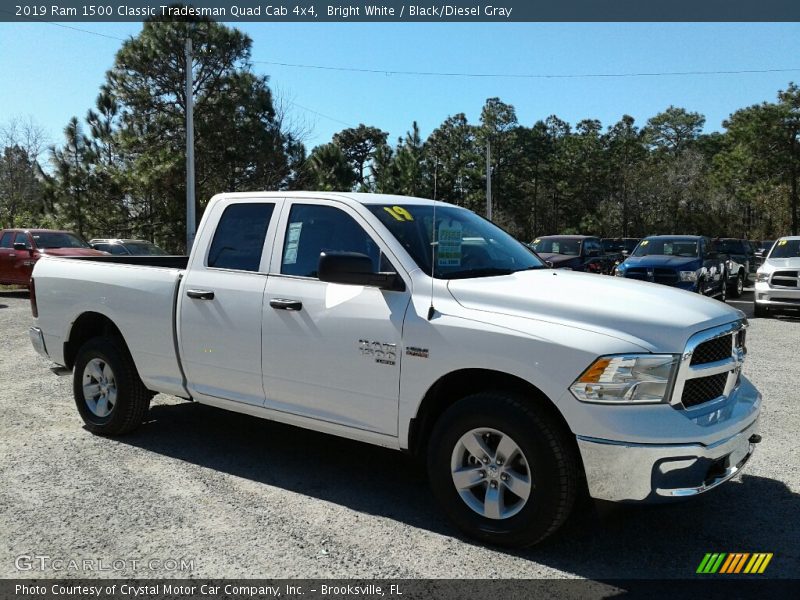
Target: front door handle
column 285, row 304
column 200, row 294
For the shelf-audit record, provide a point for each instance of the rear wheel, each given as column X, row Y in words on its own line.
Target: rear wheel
column 504, row 471
column 109, row 395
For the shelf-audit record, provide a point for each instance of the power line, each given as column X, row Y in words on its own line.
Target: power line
column 311, row 110
column 524, row 75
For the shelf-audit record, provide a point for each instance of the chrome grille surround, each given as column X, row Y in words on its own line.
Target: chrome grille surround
column 731, row 365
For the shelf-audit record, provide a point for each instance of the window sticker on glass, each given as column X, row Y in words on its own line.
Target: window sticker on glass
column 450, row 239
column 399, row 213
column 782, row 242
column 292, row 241
column 537, row 240
column 645, row 242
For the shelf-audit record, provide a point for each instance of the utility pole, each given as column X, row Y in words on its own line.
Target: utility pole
column 190, row 205
column 488, row 179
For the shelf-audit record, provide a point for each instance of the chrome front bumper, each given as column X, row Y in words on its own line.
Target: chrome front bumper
column 777, row 297
column 623, row 472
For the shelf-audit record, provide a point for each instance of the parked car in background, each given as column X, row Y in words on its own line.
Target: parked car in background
column 576, row 252
column 741, row 263
column 689, row 262
column 21, row 248
column 127, row 247
column 764, row 247
column 621, row 245
column 778, row 279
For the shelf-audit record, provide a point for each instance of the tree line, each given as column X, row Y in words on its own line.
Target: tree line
column 120, row 171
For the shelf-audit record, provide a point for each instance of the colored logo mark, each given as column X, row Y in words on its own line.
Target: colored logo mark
column 735, row 562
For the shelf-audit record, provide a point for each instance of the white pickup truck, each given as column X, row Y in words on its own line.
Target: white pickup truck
column 520, row 385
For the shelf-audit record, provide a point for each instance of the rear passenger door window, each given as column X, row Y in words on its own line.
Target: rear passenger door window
column 239, row 239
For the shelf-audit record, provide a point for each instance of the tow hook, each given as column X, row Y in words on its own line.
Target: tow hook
column 754, row 439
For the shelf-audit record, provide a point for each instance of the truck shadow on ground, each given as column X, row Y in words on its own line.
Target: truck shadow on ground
column 755, row 514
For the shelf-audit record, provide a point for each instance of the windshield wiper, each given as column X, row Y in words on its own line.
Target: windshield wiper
column 485, row 272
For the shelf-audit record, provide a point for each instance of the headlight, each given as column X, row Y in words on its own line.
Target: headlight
column 619, row 272
column 627, row 379
column 688, row 275
column 761, row 277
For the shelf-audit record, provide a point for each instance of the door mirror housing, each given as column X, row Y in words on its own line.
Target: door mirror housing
column 354, row 268
column 21, row 246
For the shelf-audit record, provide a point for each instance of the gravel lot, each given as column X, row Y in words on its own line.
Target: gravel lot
column 242, row 497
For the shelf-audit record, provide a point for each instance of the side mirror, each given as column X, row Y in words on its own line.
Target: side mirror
column 21, row 246
column 354, row 268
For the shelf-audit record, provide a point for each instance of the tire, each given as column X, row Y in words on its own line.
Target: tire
column 104, row 364
column 541, row 453
column 760, row 311
column 737, row 289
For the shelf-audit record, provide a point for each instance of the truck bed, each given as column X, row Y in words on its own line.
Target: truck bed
column 137, row 293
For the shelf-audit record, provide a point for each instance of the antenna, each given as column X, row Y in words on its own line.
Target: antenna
column 434, row 242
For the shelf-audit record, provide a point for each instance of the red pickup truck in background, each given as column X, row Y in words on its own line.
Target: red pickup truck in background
column 21, row 248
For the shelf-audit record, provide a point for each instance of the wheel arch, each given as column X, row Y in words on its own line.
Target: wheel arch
column 454, row 386
column 87, row 326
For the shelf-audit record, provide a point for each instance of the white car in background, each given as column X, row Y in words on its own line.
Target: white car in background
column 778, row 279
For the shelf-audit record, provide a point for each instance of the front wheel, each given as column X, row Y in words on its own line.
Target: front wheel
column 505, row 471
column 109, row 395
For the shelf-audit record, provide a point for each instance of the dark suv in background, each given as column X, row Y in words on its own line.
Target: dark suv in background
column 576, row 252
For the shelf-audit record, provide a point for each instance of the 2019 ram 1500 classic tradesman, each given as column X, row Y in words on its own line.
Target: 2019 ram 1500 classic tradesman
column 520, row 385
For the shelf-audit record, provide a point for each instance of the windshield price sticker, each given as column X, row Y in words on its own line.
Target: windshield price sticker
column 399, row 213
column 782, row 242
column 645, row 242
column 292, row 241
column 450, row 240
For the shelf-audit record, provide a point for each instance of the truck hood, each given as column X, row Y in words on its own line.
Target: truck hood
column 783, row 263
column 658, row 260
column 72, row 252
column 656, row 317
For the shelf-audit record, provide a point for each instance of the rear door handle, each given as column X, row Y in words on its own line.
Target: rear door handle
column 285, row 304
column 200, row 294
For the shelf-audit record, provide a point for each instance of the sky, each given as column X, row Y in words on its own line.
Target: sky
column 50, row 72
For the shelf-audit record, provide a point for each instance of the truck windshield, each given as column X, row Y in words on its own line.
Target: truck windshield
column 785, row 249
column 667, row 247
column 57, row 239
column 570, row 247
column 466, row 244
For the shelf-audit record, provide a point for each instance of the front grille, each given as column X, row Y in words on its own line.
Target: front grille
column 660, row 275
column 636, row 273
column 713, row 350
column 703, row 389
column 666, row 276
column 785, row 279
